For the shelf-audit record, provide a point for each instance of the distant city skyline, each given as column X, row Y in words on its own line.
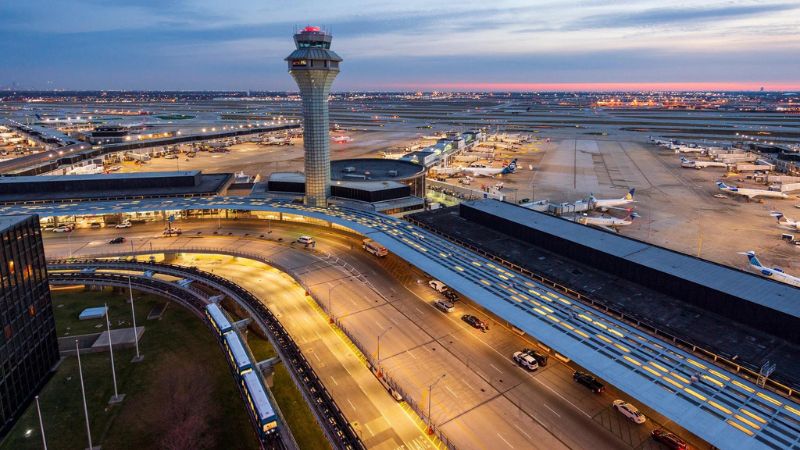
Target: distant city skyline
column 411, row 45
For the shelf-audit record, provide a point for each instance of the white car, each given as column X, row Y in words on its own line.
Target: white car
column 525, row 361
column 306, row 240
column 125, row 224
column 629, row 411
column 62, row 229
column 437, row 285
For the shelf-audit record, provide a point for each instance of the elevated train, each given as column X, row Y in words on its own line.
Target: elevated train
column 259, row 403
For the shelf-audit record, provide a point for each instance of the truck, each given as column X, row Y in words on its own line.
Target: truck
column 373, row 247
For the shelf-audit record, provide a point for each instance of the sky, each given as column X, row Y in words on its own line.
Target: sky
column 497, row 45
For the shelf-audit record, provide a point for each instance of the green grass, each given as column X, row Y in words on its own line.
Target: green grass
column 295, row 410
column 181, row 396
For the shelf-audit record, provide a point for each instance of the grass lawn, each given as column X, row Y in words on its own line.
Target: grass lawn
column 181, row 396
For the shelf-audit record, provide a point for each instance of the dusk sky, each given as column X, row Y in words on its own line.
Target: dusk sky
column 403, row 45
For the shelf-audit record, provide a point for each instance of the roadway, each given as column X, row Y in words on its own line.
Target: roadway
column 484, row 400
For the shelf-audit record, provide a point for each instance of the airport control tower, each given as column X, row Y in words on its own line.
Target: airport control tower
column 314, row 66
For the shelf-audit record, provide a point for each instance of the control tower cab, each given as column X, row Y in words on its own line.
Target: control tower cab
column 314, row 66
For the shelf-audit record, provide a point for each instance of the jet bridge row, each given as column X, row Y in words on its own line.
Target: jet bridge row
column 720, row 406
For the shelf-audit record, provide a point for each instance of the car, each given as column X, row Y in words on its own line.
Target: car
column 540, row 358
column 444, row 305
column 172, row 232
column 451, row 295
column 62, row 229
column 475, row 322
column 438, row 286
column 117, row 240
column 629, row 411
column 95, row 225
column 525, row 361
column 670, row 440
column 588, row 381
column 306, row 240
column 170, row 156
column 125, row 224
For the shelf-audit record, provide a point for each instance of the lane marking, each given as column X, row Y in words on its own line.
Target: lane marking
column 522, row 431
column 504, row 440
column 351, row 404
column 552, row 410
column 334, row 380
column 450, row 390
column 495, row 368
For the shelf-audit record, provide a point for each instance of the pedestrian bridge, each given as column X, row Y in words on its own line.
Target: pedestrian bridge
column 718, row 405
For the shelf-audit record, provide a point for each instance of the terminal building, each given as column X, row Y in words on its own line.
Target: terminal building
column 28, row 344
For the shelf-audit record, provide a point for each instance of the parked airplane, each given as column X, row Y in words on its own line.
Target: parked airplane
column 775, row 273
column 787, row 223
column 700, row 164
column 339, row 139
column 686, row 149
column 606, row 222
column 750, row 193
column 605, row 204
column 491, row 171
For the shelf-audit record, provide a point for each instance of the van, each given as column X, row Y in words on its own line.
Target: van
column 437, row 285
column 444, row 306
column 305, row 240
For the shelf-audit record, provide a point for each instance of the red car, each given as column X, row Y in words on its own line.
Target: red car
column 669, row 439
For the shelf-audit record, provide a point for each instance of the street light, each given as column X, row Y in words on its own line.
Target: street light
column 430, row 392
column 330, row 290
column 378, row 353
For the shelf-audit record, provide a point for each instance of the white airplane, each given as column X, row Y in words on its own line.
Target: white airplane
column 789, row 224
column 775, row 273
column 750, row 193
column 686, row 149
column 491, row 171
column 605, row 204
column 606, row 222
column 689, row 164
column 341, row 139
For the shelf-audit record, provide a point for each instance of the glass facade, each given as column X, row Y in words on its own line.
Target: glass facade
column 28, row 344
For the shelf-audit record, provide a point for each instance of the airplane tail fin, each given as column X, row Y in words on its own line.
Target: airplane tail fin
column 751, row 256
column 777, row 215
column 722, row 185
column 629, row 196
column 511, row 167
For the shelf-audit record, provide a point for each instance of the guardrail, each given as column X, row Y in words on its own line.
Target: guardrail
column 328, row 414
column 783, row 387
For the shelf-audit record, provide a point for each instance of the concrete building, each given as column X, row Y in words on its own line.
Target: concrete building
column 28, row 345
column 314, row 66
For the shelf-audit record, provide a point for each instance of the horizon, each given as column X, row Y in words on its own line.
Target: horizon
column 197, row 45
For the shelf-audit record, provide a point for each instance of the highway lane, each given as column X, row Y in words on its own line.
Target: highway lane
column 483, row 388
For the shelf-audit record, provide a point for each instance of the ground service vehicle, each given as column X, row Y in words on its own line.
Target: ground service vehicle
column 445, row 306
column 525, row 361
column 540, row 358
column 629, row 411
column 670, row 440
column 437, row 285
column 475, row 322
column 588, row 381
column 373, row 247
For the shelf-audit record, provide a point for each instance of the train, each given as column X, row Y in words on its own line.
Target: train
column 259, row 404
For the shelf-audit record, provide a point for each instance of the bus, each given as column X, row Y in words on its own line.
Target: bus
column 374, row 248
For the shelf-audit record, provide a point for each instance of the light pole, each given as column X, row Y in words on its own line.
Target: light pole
column 378, row 355
column 330, row 291
column 430, row 392
column 116, row 398
column 83, row 395
column 41, row 424
column 133, row 316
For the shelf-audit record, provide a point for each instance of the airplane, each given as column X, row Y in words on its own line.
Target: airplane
column 775, row 273
column 686, row 149
column 689, row 164
column 606, row 222
column 491, row 171
column 341, row 139
column 605, row 204
column 750, row 193
column 787, row 223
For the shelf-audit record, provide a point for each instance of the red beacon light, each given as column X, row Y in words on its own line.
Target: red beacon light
column 311, row 29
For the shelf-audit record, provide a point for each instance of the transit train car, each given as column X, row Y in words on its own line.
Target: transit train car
column 236, row 353
column 259, row 405
column 218, row 319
